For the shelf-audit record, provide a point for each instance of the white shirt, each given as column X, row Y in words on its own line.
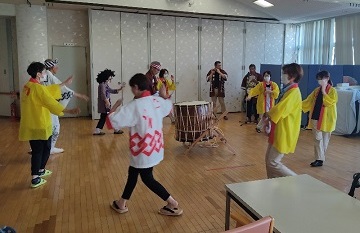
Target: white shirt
column 144, row 117
column 268, row 100
column 66, row 93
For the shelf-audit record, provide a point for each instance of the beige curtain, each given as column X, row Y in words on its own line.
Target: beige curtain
column 344, row 40
column 316, row 41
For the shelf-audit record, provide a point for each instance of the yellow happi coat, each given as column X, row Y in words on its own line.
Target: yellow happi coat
column 259, row 90
column 285, row 121
column 328, row 113
column 37, row 101
column 169, row 85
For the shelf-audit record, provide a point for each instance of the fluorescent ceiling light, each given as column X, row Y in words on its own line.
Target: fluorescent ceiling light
column 263, row 3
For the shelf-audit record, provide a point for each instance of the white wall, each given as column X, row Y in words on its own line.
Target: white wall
column 31, row 28
column 67, row 26
column 7, row 9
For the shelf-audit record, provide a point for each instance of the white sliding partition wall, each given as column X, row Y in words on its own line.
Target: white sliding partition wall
column 128, row 42
column 134, row 41
column 163, row 42
column 105, row 46
column 274, row 44
column 187, row 59
column 211, row 50
column 233, row 54
column 255, row 45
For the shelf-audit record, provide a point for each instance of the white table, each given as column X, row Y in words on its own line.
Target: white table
column 299, row 204
column 346, row 122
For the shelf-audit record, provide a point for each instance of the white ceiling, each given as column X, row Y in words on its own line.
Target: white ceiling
column 296, row 11
column 286, row 11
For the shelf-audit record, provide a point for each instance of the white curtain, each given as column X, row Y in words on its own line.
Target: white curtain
column 315, row 42
column 344, row 40
column 356, row 39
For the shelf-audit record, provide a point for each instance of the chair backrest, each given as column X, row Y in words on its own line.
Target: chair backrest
column 264, row 225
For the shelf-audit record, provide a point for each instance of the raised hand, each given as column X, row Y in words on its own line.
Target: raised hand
column 162, row 92
column 85, row 97
column 73, row 111
column 69, row 80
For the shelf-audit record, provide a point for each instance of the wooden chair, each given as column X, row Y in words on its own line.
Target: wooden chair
column 264, row 225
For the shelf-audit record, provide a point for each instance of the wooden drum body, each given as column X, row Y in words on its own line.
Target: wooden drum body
column 192, row 119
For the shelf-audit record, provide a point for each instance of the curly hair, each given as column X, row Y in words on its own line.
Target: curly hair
column 105, row 75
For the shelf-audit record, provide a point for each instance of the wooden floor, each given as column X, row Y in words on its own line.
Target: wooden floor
column 92, row 172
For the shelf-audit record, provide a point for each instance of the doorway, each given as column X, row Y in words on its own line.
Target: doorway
column 72, row 61
column 6, row 66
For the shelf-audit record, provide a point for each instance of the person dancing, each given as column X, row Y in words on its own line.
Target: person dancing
column 37, row 102
column 266, row 93
column 144, row 117
column 52, row 67
column 169, row 83
column 104, row 102
column 321, row 104
column 285, row 118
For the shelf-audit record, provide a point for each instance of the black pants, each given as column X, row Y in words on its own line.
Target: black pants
column 40, row 152
column 148, row 179
column 102, row 120
column 251, row 108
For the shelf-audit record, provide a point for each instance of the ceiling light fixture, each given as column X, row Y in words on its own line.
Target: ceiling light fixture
column 263, row 3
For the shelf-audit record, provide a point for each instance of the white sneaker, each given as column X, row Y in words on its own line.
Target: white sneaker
column 56, row 150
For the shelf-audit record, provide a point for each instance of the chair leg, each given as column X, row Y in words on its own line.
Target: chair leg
column 355, row 184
